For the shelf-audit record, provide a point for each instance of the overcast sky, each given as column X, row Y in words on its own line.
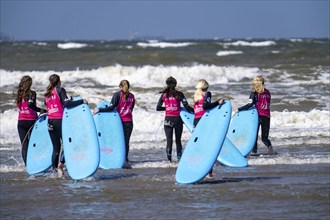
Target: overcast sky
column 111, row 20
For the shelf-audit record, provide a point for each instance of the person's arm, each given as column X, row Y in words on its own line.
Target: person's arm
column 113, row 104
column 207, row 104
column 252, row 101
column 160, row 104
column 185, row 103
column 32, row 101
column 68, row 103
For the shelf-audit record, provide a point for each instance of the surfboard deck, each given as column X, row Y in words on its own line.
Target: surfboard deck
column 204, row 145
column 40, row 147
column 80, row 142
column 229, row 155
column 242, row 131
column 110, row 134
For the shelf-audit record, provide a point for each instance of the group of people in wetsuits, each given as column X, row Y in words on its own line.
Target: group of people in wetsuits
column 123, row 101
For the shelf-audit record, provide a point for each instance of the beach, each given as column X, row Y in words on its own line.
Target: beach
column 294, row 184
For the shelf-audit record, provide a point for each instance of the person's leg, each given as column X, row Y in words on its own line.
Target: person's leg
column 128, row 128
column 255, row 148
column 55, row 132
column 169, row 141
column 178, row 134
column 265, row 127
column 24, row 131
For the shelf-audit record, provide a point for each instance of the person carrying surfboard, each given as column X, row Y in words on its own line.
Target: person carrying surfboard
column 27, row 112
column 124, row 102
column 260, row 97
column 172, row 98
column 56, row 99
column 202, row 102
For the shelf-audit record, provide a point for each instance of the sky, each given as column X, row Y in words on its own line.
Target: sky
column 115, row 20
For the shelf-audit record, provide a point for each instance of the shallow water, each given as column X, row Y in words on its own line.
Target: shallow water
column 149, row 191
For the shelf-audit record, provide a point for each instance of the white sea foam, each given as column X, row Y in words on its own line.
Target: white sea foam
column 71, row 45
column 250, row 44
column 228, row 52
column 155, row 43
column 138, row 76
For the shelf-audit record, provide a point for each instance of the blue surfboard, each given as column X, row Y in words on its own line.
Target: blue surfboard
column 40, row 148
column 242, row 130
column 188, row 119
column 111, row 138
column 80, row 142
column 229, row 155
column 204, row 145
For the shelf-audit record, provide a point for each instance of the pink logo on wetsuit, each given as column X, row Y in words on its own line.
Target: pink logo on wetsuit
column 198, row 108
column 54, row 105
column 172, row 106
column 263, row 103
column 25, row 113
column 125, row 107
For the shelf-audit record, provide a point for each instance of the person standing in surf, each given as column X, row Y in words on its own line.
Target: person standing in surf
column 260, row 97
column 202, row 102
column 27, row 112
column 56, row 99
column 124, row 102
column 171, row 97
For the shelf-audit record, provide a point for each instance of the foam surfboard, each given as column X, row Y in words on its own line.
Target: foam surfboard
column 242, row 130
column 111, row 138
column 188, row 119
column 204, row 145
column 80, row 142
column 229, row 155
column 40, row 148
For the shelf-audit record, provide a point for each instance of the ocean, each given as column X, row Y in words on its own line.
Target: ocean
column 294, row 184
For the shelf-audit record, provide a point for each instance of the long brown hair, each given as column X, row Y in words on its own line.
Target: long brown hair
column 124, row 86
column 24, row 89
column 54, row 80
column 170, row 88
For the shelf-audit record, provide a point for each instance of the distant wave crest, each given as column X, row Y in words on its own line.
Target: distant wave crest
column 71, row 45
column 155, row 43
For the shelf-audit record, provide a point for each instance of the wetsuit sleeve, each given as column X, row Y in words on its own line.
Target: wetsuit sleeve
column 207, row 104
column 133, row 105
column 113, row 104
column 252, row 101
column 68, row 103
column 185, row 103
column 32, row 102
column 160, row 104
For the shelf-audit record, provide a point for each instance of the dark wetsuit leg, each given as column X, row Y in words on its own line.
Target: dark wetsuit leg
column 24, row 128
column 55, row 132
column 128, row 128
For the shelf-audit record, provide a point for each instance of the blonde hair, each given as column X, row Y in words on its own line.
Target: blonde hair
column 201, row 87
column 258, row 84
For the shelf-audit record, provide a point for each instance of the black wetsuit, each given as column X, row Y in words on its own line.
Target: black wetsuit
column 24, row 127
column 207, row 104
column 55, row 127
column 263, row 122
column 173, row 123
column 127, row 126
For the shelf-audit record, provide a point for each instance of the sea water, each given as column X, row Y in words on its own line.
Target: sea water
column 294, row 184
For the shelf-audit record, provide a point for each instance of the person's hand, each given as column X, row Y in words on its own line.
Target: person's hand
column 95, row 111
column 85, row 101
column 42, row 111
column 220, row 101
